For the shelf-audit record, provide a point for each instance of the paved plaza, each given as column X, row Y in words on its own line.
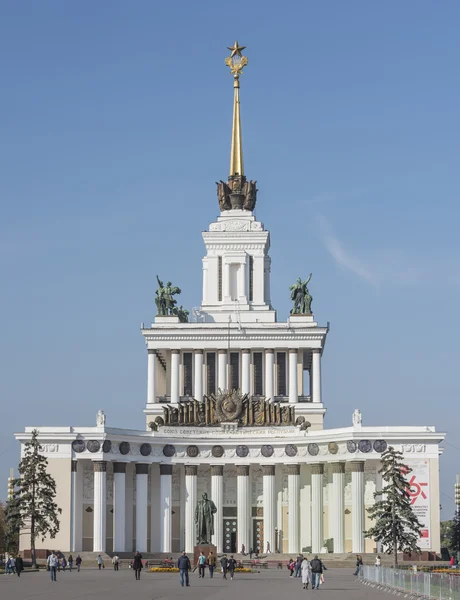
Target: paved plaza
column 91, row 584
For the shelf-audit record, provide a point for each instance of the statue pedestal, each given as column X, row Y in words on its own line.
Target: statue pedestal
column 206, row 549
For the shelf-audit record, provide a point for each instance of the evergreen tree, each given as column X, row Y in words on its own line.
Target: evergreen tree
column 32, row 507
column 396, row 525
column 453, row 534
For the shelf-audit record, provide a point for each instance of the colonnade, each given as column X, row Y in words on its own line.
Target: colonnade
column 161, row 508
column 294, row 387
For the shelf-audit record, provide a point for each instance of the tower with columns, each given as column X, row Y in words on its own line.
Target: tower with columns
column 281, row 482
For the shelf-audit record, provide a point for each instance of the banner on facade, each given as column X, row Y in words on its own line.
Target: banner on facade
column 419, row 491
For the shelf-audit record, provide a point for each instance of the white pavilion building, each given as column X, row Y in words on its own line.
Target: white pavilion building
column 234, row 408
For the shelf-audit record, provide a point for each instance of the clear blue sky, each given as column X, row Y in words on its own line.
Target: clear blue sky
column 116, row 123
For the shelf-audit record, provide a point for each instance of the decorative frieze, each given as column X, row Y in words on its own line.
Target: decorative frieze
column 100, row 466
column 293, row 469
column 166, row 469
column 317, row 469
column 356, row 467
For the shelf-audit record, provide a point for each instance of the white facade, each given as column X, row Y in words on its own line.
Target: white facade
column 282, row 488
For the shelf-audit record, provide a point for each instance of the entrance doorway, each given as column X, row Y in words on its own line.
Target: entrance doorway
column 230, row 531
column 258, row 535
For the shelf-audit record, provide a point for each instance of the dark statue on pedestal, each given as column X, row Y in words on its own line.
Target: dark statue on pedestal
column 204, row 519
column 166, row 303
column 301, row 297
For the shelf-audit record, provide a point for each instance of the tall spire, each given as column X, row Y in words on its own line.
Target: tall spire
column 236, row 61
column 237, row 193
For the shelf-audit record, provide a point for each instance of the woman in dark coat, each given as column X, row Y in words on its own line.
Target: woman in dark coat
column 19, row 565
column 137, row 565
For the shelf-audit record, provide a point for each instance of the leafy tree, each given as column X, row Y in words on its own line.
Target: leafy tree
column 444, row 530
column 2, row 527
column 396, row 525
column 32, row 507
column 453, row 534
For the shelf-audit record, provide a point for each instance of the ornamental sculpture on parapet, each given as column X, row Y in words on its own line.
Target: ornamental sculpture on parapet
column 166, row 303
column 301, row 297
column 237, row 193
column 228, row 407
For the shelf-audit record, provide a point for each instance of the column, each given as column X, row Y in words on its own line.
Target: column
column 198, row 391
column 217, row 496
column 222, row 370
column 142, row 476
column 165, row 508
column 151, row 376
column 243, row 509
column 317, row 508
column 337, row 507
column 129, row 508
column 155, row 503
column 246, row 371
column 190, row 506
column 76, row 508
column 293, row 507
column 175, row 361
column 293, row 392
column 242, row 282
column 357, row 510
column 269, row 375
column 316, row 375
column 100, row 506
column 269, row 499
column 226, row 282
column 119, row 507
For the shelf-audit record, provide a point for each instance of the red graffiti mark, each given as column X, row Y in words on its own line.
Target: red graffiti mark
column 415, row 489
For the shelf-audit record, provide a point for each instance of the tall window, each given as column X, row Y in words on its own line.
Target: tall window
column 281, row 372
column 258, row 374
column 219, row 278
column 251, row 278
column 188, row 381
column 211, row 372
column 234, row 370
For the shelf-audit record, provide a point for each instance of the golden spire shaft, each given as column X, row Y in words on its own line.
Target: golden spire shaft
column 236, row 61
column 236, row 154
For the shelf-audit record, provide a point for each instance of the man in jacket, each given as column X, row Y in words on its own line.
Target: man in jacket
column 52, row 563
column 211, row 564
column 183, row 564
column 224, row 566
column 316, row 572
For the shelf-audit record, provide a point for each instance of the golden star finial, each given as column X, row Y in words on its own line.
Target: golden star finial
column 236, row 49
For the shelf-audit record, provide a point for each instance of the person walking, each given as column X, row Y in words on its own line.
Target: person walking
column 78, row 563
column 316, row 572
column 184, row 566
column 70, row 562
column 137, row 565
column 63, row 563
column 224, row 566
column 378, row 561
column 100, row 562
column 231, row 566
column 12, row 565
column 359, row 564
column 52, row 563
column 298, row 565
column 212, row 561
column 306, row 573
column 115, row 561
column 19, row 565
column 201, row 565
column 291, row 565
